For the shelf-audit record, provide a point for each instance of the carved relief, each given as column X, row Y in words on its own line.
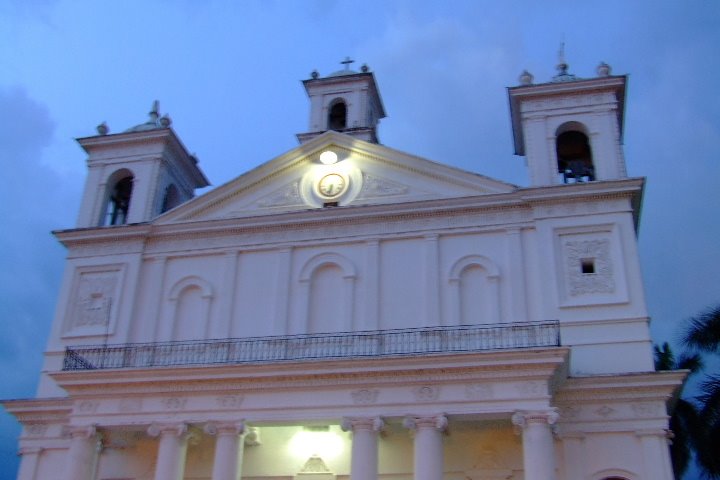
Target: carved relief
column 605, row 411
column 285, row 197
column 174, row 403
column 315, row 464
column 380, row 187
column 88, row 406
column 94, row 298
column 426, row 393
column 597, row 253
column 229, row 401
column 364, row 396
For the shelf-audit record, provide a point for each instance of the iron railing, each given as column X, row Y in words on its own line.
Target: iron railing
column 378, row 343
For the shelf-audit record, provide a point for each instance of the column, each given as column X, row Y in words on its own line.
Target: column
column 172, row 448
column 29, row 462
column 538, row 445
column 364, row 460
column 656, row 455
column 428, row 463
column 80, row 460
column 227, row 464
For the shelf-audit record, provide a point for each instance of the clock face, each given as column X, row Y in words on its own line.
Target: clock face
column 331, row 185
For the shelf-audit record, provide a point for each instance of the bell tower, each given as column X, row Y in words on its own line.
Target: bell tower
column 136, row 175
column 345, row 101
column 570, row 129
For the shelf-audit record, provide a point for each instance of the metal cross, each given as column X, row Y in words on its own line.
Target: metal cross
column 347, row 63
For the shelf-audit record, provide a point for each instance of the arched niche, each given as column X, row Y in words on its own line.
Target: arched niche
column 574, row 153
column 614, row 474
column 171, row 198
column 190, row 299
column 327, row 289
column 117, row 198
column 475, row 292
column 337, row 114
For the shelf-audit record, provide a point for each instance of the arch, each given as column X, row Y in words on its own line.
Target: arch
column 171, row 199
column 337, row 114
column 322, row 259
column 118, row 195
column 190, row 299
column 614, row 474
column 469, row 260
column 315, row 275
column 475, row 290
column 189, row 282
column 574, row 154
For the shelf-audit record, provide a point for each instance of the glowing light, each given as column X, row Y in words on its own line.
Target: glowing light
column 328, row 158
column 326, row 445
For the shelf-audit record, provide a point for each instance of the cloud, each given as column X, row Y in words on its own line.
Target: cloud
column 32, row 201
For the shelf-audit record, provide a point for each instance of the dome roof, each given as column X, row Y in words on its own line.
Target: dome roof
column 343, row 72
column 154, row 122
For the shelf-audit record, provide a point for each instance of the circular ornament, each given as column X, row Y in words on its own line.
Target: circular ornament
column 332, row 185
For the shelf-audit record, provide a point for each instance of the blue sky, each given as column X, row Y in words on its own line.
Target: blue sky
column 228, row 73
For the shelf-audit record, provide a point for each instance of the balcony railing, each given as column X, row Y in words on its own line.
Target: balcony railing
column 379, row 343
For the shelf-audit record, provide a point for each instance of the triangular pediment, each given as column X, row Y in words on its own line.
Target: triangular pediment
column 365, row 174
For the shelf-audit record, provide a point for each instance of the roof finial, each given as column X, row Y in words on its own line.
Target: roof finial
column 562, row 67
column 347, row 63
column 155, row 111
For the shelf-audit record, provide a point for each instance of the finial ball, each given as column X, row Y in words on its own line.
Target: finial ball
column 603, row 70
column 102, row 129
column 526, row 78
column 314, row 74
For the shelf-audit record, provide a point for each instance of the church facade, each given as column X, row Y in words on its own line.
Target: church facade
column 347, row 310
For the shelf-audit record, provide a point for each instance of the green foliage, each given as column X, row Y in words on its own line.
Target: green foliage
column 695, row 422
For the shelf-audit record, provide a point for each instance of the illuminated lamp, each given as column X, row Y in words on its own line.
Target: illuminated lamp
column 328, row 157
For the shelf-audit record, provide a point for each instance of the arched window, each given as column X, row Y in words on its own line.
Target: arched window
column 337, row 117
column 574, row 156
column 119, row 195
column 171, row 198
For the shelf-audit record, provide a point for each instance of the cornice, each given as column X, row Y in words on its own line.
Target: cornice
column 498, row 366
column 39, row 409
column 632, row 386
column 501, row 209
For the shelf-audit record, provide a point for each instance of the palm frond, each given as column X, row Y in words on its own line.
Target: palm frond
column 690, row 361
column 703, row 332
column 664, row 357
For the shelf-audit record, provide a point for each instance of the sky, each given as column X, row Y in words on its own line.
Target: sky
column 229, row 75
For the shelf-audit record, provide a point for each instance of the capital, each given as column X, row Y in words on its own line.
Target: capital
column 523, row 418
column 225, row 428
column 438, row 422
column 176, row 429
column 375, row 424
column 84, row 432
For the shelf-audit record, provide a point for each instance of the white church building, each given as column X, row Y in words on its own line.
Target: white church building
column 347, row 311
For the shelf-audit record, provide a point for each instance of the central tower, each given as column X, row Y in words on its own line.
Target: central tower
column 345, row 101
